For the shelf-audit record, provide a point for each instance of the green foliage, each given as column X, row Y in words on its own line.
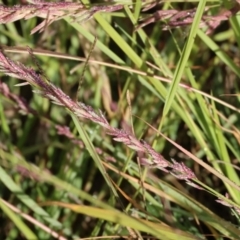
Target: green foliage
column 65, row 177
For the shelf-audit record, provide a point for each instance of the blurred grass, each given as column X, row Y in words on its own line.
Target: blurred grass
column 96, row 189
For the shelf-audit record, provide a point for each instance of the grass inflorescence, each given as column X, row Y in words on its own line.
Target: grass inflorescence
column 140, row 137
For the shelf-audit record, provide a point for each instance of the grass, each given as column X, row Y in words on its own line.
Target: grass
column 159, row 161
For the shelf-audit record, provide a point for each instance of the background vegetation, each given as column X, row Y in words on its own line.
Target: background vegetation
column 64, row 177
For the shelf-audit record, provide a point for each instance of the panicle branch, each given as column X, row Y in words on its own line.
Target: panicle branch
column 51, row 11
column 21, row 103
column 48, row 90
column 172, row 18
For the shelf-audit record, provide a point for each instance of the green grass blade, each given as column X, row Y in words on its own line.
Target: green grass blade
column 182, row 63
column 91, row 38
column 219, row 52
column 14, row 188
column 24, row 229
column 92, row 152
column 159, row 230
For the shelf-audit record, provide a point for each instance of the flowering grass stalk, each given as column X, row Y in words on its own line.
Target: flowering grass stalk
column 178, row 18
column 48, row 90
column 38, row 167
column 51, row 12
